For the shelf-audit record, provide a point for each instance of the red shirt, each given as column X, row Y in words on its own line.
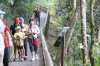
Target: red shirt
column 5, row 38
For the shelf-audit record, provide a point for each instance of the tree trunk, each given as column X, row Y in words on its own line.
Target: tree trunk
column 69, row 35
column 99, row 35
column 83, row 29
column 71, row 11
column 73, row 3
column 92, row 32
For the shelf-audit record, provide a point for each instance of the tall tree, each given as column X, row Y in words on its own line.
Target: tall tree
column 92, row 32
column 83, row 29
column 68, row 34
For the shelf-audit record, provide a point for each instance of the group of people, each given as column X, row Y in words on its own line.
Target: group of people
column 19, row 35
column 5, row 41
column 23, row 34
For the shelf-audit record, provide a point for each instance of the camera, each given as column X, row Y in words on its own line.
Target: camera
column 34, row 33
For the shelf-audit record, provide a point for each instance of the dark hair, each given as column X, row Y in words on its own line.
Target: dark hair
column 30, row 20
column 37, row 8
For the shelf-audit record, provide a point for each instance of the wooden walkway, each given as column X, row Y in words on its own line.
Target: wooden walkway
column 28, row 62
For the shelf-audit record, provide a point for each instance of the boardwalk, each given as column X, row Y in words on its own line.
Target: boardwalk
column 28, row 62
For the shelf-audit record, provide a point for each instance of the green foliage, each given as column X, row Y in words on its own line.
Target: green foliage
column 31, row 7
column 18, row 8
column 98, row 61
column 51, row 4
column 57, row 31
column 60, row 20
column 7, row 2
column 60, row 10
column 96, row 15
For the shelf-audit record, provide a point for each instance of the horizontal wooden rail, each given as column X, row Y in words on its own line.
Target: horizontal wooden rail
column 47, row 58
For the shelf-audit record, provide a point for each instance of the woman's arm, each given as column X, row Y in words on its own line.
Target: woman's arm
column 38, row 30
column 9, row 38
column 28, row 33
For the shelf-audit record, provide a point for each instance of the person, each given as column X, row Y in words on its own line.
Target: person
column 24, row 29
column 12, row 31
column 37, row 15
column 7, row 40
column 2, row 27
column 19, row 37
column 32, row 29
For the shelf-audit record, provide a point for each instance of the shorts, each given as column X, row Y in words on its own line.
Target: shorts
column 32, row 46
column 19, row 47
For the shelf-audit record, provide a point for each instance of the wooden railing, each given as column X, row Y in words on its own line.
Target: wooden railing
column 47, row 58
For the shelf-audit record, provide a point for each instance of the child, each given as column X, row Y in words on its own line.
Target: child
column 19, row 37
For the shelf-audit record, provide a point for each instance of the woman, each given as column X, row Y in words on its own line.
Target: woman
column 13, row 31
column 33, row 31
column 7, row 40
column 2, row 27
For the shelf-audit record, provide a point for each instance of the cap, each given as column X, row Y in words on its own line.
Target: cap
column 18, row 27
column 21, row 19
column 17, row 20
column 2, row 12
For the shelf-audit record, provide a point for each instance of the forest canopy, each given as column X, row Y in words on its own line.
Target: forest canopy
column 66, row 13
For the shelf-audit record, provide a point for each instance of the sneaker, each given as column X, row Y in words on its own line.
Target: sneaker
column 22, row 59
column 15, row 59
column 25, row 58
column 36, row 57
column 33, row 58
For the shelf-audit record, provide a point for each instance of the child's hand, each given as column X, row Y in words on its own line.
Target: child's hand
column 22, row 38
column 18, row 37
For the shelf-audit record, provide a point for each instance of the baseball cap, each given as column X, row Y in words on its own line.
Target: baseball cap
column 2, row 12
column 17, row 20
column 21, row 19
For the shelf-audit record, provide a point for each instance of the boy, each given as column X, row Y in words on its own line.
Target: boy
column 19, row 37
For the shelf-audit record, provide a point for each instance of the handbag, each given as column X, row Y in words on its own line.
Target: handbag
column 35, row 39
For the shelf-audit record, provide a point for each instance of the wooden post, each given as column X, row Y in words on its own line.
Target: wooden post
column 62, row 53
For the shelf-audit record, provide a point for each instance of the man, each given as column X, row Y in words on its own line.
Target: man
column 13, row 31
column 2, row 26
column 7, row 40
column 37, row 15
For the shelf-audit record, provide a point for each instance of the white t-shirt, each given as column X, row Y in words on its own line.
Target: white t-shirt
column 34, row 29
column 2, row 27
